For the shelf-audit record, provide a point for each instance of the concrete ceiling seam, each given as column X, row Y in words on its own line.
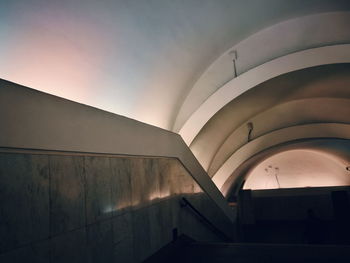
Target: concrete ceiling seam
column 268, row 44
column 283, row 115
column 323, row 130
column 299, row 60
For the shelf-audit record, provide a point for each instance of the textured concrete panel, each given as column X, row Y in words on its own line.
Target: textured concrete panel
column 37, row 252
column 67, row 193
column 24, row 199
column 100, row 242
column 142, row 234
column 168, row 175
column 103, row 209
column 156, row 229
column 186, row 183
column 98, row 188
column 123, row 238
column 121, row 188
column 70, row 247
column 144, row 182
column 168, row 220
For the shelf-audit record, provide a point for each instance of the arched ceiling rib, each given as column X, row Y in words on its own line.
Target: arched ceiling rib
column 331, row 81
column 304, row 104
column 256, row 76
column 293, row 35
column 297, row 112
column 310, row 131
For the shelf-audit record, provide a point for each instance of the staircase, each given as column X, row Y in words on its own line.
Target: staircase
column 190, row 251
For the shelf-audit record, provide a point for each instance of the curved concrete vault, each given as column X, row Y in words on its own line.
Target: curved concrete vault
column 282, row 92
column 304, row 104
column 274, row 53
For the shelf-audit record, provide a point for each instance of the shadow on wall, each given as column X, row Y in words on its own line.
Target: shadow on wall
column 297, row 215
column 74, row 207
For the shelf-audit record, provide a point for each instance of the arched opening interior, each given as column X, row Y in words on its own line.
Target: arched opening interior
column 298, row 168
column 282, row 190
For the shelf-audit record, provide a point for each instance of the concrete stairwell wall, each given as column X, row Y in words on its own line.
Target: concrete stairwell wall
column 79, row 184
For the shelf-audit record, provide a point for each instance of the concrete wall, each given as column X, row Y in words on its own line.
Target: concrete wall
column 34, row 120
column 78, row 183
column 64, row 207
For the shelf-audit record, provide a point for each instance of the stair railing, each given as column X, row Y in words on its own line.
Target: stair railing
column 186, row 203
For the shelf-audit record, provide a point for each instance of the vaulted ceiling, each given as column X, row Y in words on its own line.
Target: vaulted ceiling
column 309, row 103
column 202, row 68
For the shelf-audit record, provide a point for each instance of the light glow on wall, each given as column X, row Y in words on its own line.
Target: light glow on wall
column 298, row 168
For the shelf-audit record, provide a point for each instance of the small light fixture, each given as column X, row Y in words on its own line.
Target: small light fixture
column 250, row 129
column 233, row 55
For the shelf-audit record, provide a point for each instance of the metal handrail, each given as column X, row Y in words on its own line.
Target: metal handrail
column 216, row 230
